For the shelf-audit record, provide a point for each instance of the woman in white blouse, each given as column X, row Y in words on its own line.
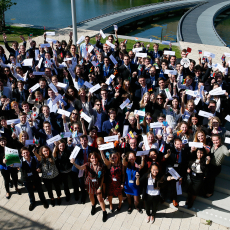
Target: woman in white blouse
column 151, row 183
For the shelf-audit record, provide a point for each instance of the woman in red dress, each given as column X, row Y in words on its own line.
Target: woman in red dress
column 94, row 177
column 115, row 182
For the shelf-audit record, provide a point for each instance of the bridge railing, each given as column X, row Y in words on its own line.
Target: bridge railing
column 124, row 10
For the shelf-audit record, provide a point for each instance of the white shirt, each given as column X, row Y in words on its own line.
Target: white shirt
column 53, row 107
column 150, row 187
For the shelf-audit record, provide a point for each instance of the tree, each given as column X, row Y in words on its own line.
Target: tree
column 4, row 6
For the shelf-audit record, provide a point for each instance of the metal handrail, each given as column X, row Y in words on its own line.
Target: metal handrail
column 124, row 10
column 179, row 26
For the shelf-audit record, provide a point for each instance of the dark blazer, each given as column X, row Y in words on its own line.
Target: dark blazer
column 16, row 95
column 125, row 73
column 56, row 123
column 156, row 91
column 80, row 158
column 106, row 127
column 41, row 135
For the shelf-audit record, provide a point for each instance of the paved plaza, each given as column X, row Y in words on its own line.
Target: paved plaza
column 15, row 214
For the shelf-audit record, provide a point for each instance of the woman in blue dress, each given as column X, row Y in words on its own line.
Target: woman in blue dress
column 131, row 185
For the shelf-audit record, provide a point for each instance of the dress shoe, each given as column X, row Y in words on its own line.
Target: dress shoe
column 52, row 202
column 45, row 205
column 18, row 191
column 175, row 203
column 32, row 206
column 59, row 201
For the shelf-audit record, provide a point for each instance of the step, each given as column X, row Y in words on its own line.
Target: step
column 222, row 185
column 225, row 172
column 204, row 211
column 218, row 199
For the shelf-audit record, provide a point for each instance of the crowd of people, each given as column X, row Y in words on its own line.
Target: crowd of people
column 134, row 124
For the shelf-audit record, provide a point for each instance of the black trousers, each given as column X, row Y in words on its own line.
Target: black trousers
column 48, row 183
column 73, row 177
column 213, row 172
column 151, row 204
column 13, row 172
column 30, row 190
column 80, row 184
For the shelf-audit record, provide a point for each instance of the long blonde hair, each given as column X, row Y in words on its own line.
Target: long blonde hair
column 20, row 136
column 142, row 105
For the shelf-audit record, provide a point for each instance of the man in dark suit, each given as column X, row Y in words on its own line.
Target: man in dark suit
column 45, row 134
column 111, row 123
column 140, row 89
column 56, row 124
column 179, row 162
column 126, row 70
column 20, row 94
column 161, row 88
column 43, row 87
column 81, row 159
column 106, row 69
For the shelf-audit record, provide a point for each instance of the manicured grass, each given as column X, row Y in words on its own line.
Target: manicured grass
column 13, row 33
column 130, row 43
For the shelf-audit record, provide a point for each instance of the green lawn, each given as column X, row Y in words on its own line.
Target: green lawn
column 130, row 43
column 14, row 32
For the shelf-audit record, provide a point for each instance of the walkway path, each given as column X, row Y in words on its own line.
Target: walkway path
column 197, row 26
column 129, row 15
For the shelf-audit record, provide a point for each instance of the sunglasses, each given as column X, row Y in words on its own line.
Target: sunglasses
column 98, row 104
column 148, row 118
column 75, row 113
column 159, row 98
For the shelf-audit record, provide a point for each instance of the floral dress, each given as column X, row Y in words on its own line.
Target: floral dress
column 93, row 177
column 114, row 181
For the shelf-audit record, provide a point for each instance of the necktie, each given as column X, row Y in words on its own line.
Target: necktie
column 85, row 156
column 23, row 127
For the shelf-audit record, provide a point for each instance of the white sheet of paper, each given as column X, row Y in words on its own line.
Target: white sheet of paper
column 53, row 139
column 125, row 130
column 109, row 145
column 108, row 81
column 124, row 104
column 74, row 152
column 227, row 118
column 143, row 55
column 167, row 52
column 88, row 85
column 112, row 76
column 205, row 114
column 45, row 45
column 36, row 54
column 68, row 59
column 27, row 62
column 40, row 63
column 64, row 112
column 94, row 63
column 111, row 138
column 146, row 142
column 227, row 54
column 86, row 117
column 50, row 33
column 168, row 94
column 165, row 42
column 196, row 101
column 178, row 188
column 190, row 92
column 209, row 54
column 38, row 73
column 156, row 125
column 196, row 144
column 227, row 140
column 112, row 58
column 218, row 93
column 51, row 40
column 174, row 173
column 110, row 44
column 81, row 39
column 139, row 112
column 115, row 27
column 57, row 98
column 61, row 85
column 15, row 121
column 94, row 88
column 67, row 134
column 29, row 142
column 53, row 87
column 169, row 71
column 90, row 48
column 135, row 50
column 102, row 34
column 33, row 88
column 142, row 153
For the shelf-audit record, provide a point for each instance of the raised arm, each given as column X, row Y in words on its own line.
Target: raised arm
column 39, row 158
column 107, row 163
column 83, row 167
column 83, row 126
